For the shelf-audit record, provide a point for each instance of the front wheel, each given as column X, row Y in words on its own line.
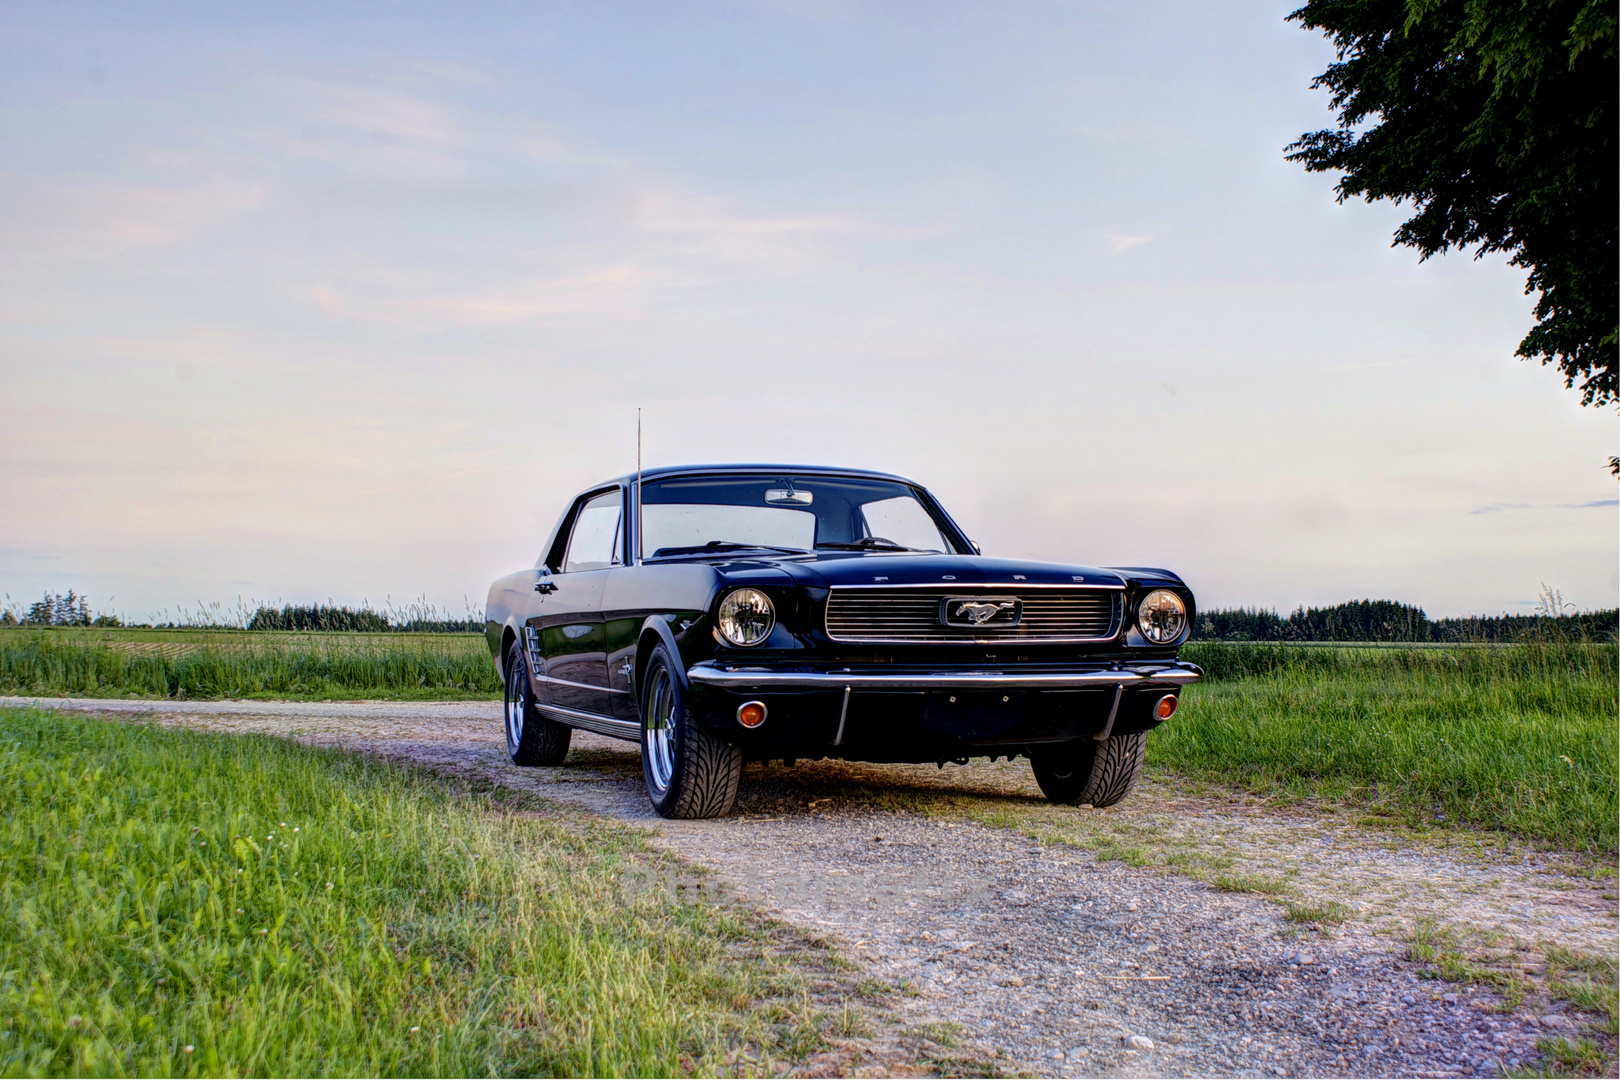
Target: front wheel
column 531, row 739
column 1088, row 772
column 689, row 772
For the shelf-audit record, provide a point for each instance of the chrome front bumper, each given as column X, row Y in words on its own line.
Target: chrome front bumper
column 737, row 677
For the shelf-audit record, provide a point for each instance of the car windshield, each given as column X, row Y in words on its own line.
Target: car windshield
column 697, row 514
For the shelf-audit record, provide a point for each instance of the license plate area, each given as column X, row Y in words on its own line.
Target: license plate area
column 975, row 714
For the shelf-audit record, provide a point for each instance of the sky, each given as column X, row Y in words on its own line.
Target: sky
column 345, row 301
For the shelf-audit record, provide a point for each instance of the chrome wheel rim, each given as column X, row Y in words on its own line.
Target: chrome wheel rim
column 516, row 693
column 660, row 737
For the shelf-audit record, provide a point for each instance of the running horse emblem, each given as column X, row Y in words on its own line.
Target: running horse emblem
column 980, row 612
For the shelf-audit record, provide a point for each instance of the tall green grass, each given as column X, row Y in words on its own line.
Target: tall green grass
column 247, row 666
column 1519, row 738
column 174, row 902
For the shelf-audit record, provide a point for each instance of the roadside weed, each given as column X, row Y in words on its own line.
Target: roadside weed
column 1265, row 884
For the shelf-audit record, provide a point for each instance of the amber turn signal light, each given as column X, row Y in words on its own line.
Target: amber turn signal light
column 1166, row 708
column 751, row 714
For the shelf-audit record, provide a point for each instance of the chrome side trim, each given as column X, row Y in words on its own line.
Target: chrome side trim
column 581, row 685
column 602, row 725
column 750, row 678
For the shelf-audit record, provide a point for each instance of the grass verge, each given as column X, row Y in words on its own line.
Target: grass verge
column 1519, row 738
column 184, row 903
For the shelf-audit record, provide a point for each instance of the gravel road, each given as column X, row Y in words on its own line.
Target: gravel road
column 1071, row 942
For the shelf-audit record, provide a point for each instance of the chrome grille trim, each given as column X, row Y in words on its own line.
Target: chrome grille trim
column 864, row 615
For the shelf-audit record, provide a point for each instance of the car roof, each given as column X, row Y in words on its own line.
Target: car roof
column 659, row 472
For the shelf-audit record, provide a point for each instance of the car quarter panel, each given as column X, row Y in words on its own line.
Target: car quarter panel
column 509, row 604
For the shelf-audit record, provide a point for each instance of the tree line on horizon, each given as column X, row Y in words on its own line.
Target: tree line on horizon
column 72, row 609
column 1356, row 620
column 1392, row 621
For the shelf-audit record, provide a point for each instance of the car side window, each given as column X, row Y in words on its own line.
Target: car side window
column 594, row 542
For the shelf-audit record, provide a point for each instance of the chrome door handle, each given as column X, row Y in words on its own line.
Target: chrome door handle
column 545, row 586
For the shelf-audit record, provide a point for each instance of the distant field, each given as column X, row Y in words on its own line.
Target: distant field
column 180, row 903
column 289, row 665
column 1514, row 737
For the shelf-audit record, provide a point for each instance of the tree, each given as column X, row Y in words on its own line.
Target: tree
column 1496, row 120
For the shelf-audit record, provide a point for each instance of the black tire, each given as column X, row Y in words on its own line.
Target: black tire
column 1088, row 772
column 531, row 739
column 689, row 772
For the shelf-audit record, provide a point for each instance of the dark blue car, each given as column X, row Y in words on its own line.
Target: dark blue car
column 723, row 613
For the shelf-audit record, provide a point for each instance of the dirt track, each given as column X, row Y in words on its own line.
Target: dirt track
column 999, row 911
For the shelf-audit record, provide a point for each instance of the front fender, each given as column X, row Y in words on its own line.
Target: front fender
column 655, row 630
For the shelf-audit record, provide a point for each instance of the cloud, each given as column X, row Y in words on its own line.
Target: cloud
column 1118, row 242
column 378, row 112
column 605, row 290
column 99, row 220
column 1497, row 508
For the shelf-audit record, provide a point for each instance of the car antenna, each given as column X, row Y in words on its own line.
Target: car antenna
column 638, row 487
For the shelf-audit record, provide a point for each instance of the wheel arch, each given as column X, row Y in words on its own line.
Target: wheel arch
column 508, row 639
column 655, row 631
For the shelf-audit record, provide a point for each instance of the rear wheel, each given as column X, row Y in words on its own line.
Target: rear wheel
column 531, row 739
column 1088, row 772
column 689, row 772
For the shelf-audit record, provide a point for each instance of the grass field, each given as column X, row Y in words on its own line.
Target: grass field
column 1520, row 738
column 245, row 664
column 1514, row 737
column 185, row 903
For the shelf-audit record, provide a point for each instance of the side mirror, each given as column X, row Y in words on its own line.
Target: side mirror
column 977, row 550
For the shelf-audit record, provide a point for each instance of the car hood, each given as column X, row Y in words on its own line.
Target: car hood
column 825, row 569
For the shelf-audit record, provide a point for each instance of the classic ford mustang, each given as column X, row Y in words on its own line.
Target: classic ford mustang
column 723, row 613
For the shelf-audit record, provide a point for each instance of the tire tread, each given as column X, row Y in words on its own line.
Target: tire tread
column 1096, row 774
column 707, row 769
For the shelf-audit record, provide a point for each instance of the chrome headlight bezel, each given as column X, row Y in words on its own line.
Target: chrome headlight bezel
column 745, row 618
column 1160, row 611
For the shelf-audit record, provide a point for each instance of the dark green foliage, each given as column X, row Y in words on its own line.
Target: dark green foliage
column 1496, row 120
column 414, row 618
column 66, row 609
column 1239, row 624
column 1360, row 620
column 1586, row 626
column 1389, row 620
column 318, row 617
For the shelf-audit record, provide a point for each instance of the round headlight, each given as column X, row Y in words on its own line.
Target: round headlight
column 746, row 617
column 1161, row 616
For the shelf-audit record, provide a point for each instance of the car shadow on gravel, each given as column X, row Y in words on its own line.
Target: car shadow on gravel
column 830, row 785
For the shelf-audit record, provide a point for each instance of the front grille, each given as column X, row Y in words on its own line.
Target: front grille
column 900, row 615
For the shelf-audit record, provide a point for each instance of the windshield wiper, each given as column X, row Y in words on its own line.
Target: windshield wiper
column 869, row 543
column 722, row 545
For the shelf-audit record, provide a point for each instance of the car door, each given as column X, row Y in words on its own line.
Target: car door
column 572, row 638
